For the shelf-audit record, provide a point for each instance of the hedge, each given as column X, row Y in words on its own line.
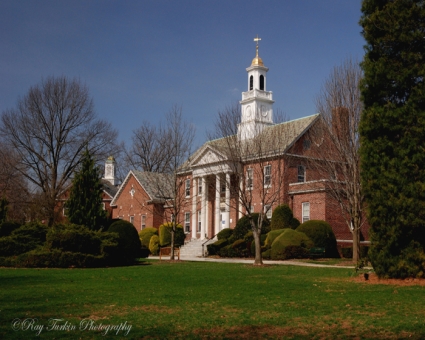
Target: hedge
column 290, row 244
column 322, row 235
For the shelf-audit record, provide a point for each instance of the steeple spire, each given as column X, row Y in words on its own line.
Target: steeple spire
column 257, row 61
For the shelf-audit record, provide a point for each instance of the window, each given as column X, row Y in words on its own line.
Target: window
column 251, row 83
column 187, row 188
column 143, row 226
column 306, row 144
column 306, row 212
column 267, row 175
column 262, row 82
column 223, row 187
column 199, row 221
column 199, row 186
column 301, row 173
column 249, row 181
column 250, row 210
column 132, row 219
column 187, row 222
column 268, row 211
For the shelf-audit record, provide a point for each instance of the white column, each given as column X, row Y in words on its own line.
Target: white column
column 203, row 207
column 194, row 212
column 239, row 201
column 227, row 211
column 217, row 204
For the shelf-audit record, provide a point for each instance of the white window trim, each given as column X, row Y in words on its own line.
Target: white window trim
column 269, row 176
column 143, row 222
column 249, row 179
column 304, row 177
column 304, row 209
column 187, row 188
column 268, row 211
column 187, row 222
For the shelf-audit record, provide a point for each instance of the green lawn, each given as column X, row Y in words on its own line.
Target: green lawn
column 191, row 300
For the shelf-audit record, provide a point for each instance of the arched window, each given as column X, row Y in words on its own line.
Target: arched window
column 251, row 83
column 262, row 82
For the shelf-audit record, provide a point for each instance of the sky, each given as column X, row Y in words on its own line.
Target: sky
column 141, row 58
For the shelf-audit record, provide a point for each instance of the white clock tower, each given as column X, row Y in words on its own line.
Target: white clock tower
column 110, row 170
column 257, row 102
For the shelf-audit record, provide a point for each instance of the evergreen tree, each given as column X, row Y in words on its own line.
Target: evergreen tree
column 84, row 206
column 392, row 131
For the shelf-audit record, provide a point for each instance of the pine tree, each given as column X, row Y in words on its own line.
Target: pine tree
column 392, row 131
column 84, row 206
column 4, row 203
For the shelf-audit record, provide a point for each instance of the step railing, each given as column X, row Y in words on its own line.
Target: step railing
column 203, row 244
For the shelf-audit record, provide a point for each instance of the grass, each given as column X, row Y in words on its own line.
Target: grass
column 191, row 300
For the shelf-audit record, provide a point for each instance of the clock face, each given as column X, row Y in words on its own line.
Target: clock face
column 248, row 111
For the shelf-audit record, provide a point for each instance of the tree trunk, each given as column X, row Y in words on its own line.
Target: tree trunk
column 356, row 244
column 258, row 258
column 173, row 228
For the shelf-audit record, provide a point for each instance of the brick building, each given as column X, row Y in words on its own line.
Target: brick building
column 259, row 167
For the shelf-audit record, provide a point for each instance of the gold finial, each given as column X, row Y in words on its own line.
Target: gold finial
column 257, row 61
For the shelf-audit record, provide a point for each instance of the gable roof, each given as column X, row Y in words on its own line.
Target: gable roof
column 157, row 186
column 108, row 188
column 288, row 133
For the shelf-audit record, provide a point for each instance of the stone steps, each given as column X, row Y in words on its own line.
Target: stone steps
column 194, row 247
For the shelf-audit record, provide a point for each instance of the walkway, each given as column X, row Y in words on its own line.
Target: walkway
column 251, row 261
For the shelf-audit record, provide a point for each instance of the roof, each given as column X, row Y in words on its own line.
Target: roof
column 157, row 186
column 108, row 188
column 277, row 139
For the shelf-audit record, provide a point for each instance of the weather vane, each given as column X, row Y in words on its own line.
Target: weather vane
column 257, row 39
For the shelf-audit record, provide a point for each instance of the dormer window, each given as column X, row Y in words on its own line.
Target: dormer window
column 262, row 82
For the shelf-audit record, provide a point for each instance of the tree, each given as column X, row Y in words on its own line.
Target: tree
column 163, row 150
column 392, row 131
column 49, row 129
column 257, row 166
column 84, row 206
column 335, row 142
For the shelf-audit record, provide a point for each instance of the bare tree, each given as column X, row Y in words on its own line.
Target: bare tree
column 336, row 140
column 257, row 166
column 164, row 149
column 13, row 186
column 49, row 129
column 149, row 150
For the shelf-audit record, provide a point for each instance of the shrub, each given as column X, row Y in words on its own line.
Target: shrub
column 23, row 239
column 266, row 254
column 165, row 235
column 214, row 248
column 154, row 245
column 290, row 243
column 322, row 235
column 74, row 238
column 271, row 236
column 225, row 234
column 146, row 234
column 6, row 228
column 282, row 217
column 243, row 226
column 295, row 223
column 144, row 252
column 129, row 244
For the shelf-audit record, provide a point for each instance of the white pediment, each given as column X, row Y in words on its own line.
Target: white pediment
column 208, row 156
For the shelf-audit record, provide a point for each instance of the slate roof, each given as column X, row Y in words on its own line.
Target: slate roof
column 110, row 189
column 157, row 185
column 278, row 139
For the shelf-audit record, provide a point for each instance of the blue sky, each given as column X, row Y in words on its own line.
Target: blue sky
column 139, row 58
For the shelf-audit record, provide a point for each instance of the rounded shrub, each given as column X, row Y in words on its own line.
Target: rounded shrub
column 146, row 234
column 291, row 244
column 128, row 241
column 225, row 234
column 243, row 226
column 154, row 245
column 271, row 236
column 281, row 217
column 322, row 235
column 165, row 235
column 214, row 248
